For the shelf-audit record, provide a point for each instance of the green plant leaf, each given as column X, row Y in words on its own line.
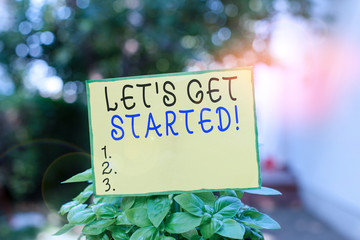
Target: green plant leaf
column 256, row 234
column 115, row 227
column 65, row 208
column 264, row 191
column 157, row 209
column 227, row 206
column 209, row 229
column 258, row 220
column 190, row 234
column 122, row 219
column 105, row 237
column 76, row 209
column 97, row 200
column 140, row 202
column 216, row 237
column 102, row 236
column 127, row 203
column 126, row 229
column 138, row 216
column 232, row 229
column 239, row 194
column 207, row 197
column 116, row 201
column 130, row 228
column 82, row 217
column 80, row 177
column 97, row 227
column 144, row 233
column 206, row 218
column 229, row 193
column 191, row 203
column 218, row 216
column 119, row 234
column 64, row 229
column 197, row 238
column 105, row 210
column 209, row 209
column 181, row 222
column 84, row 195
column 167, row 238
column 253, row 234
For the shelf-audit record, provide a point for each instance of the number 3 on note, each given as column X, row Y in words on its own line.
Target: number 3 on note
column 106, row 181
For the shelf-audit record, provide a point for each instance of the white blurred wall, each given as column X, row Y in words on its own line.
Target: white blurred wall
column 322, row 122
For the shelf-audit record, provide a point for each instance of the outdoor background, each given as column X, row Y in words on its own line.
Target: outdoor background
column 306, row 58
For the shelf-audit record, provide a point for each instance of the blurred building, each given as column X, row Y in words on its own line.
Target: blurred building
column 312, row 108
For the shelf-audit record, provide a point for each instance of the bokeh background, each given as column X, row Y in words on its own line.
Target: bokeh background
column 306, row 58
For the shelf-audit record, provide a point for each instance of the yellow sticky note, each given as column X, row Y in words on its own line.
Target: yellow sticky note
column 168, row 133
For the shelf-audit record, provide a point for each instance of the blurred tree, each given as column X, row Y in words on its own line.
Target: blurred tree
column 49, row 47
column 127, row 37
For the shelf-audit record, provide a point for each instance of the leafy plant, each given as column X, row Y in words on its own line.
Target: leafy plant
column 192, row 216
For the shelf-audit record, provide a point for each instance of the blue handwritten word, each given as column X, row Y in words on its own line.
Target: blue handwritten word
column 157, row 129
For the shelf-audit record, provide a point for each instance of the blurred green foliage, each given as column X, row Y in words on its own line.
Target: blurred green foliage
column 48, row 48
column 24, row 234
